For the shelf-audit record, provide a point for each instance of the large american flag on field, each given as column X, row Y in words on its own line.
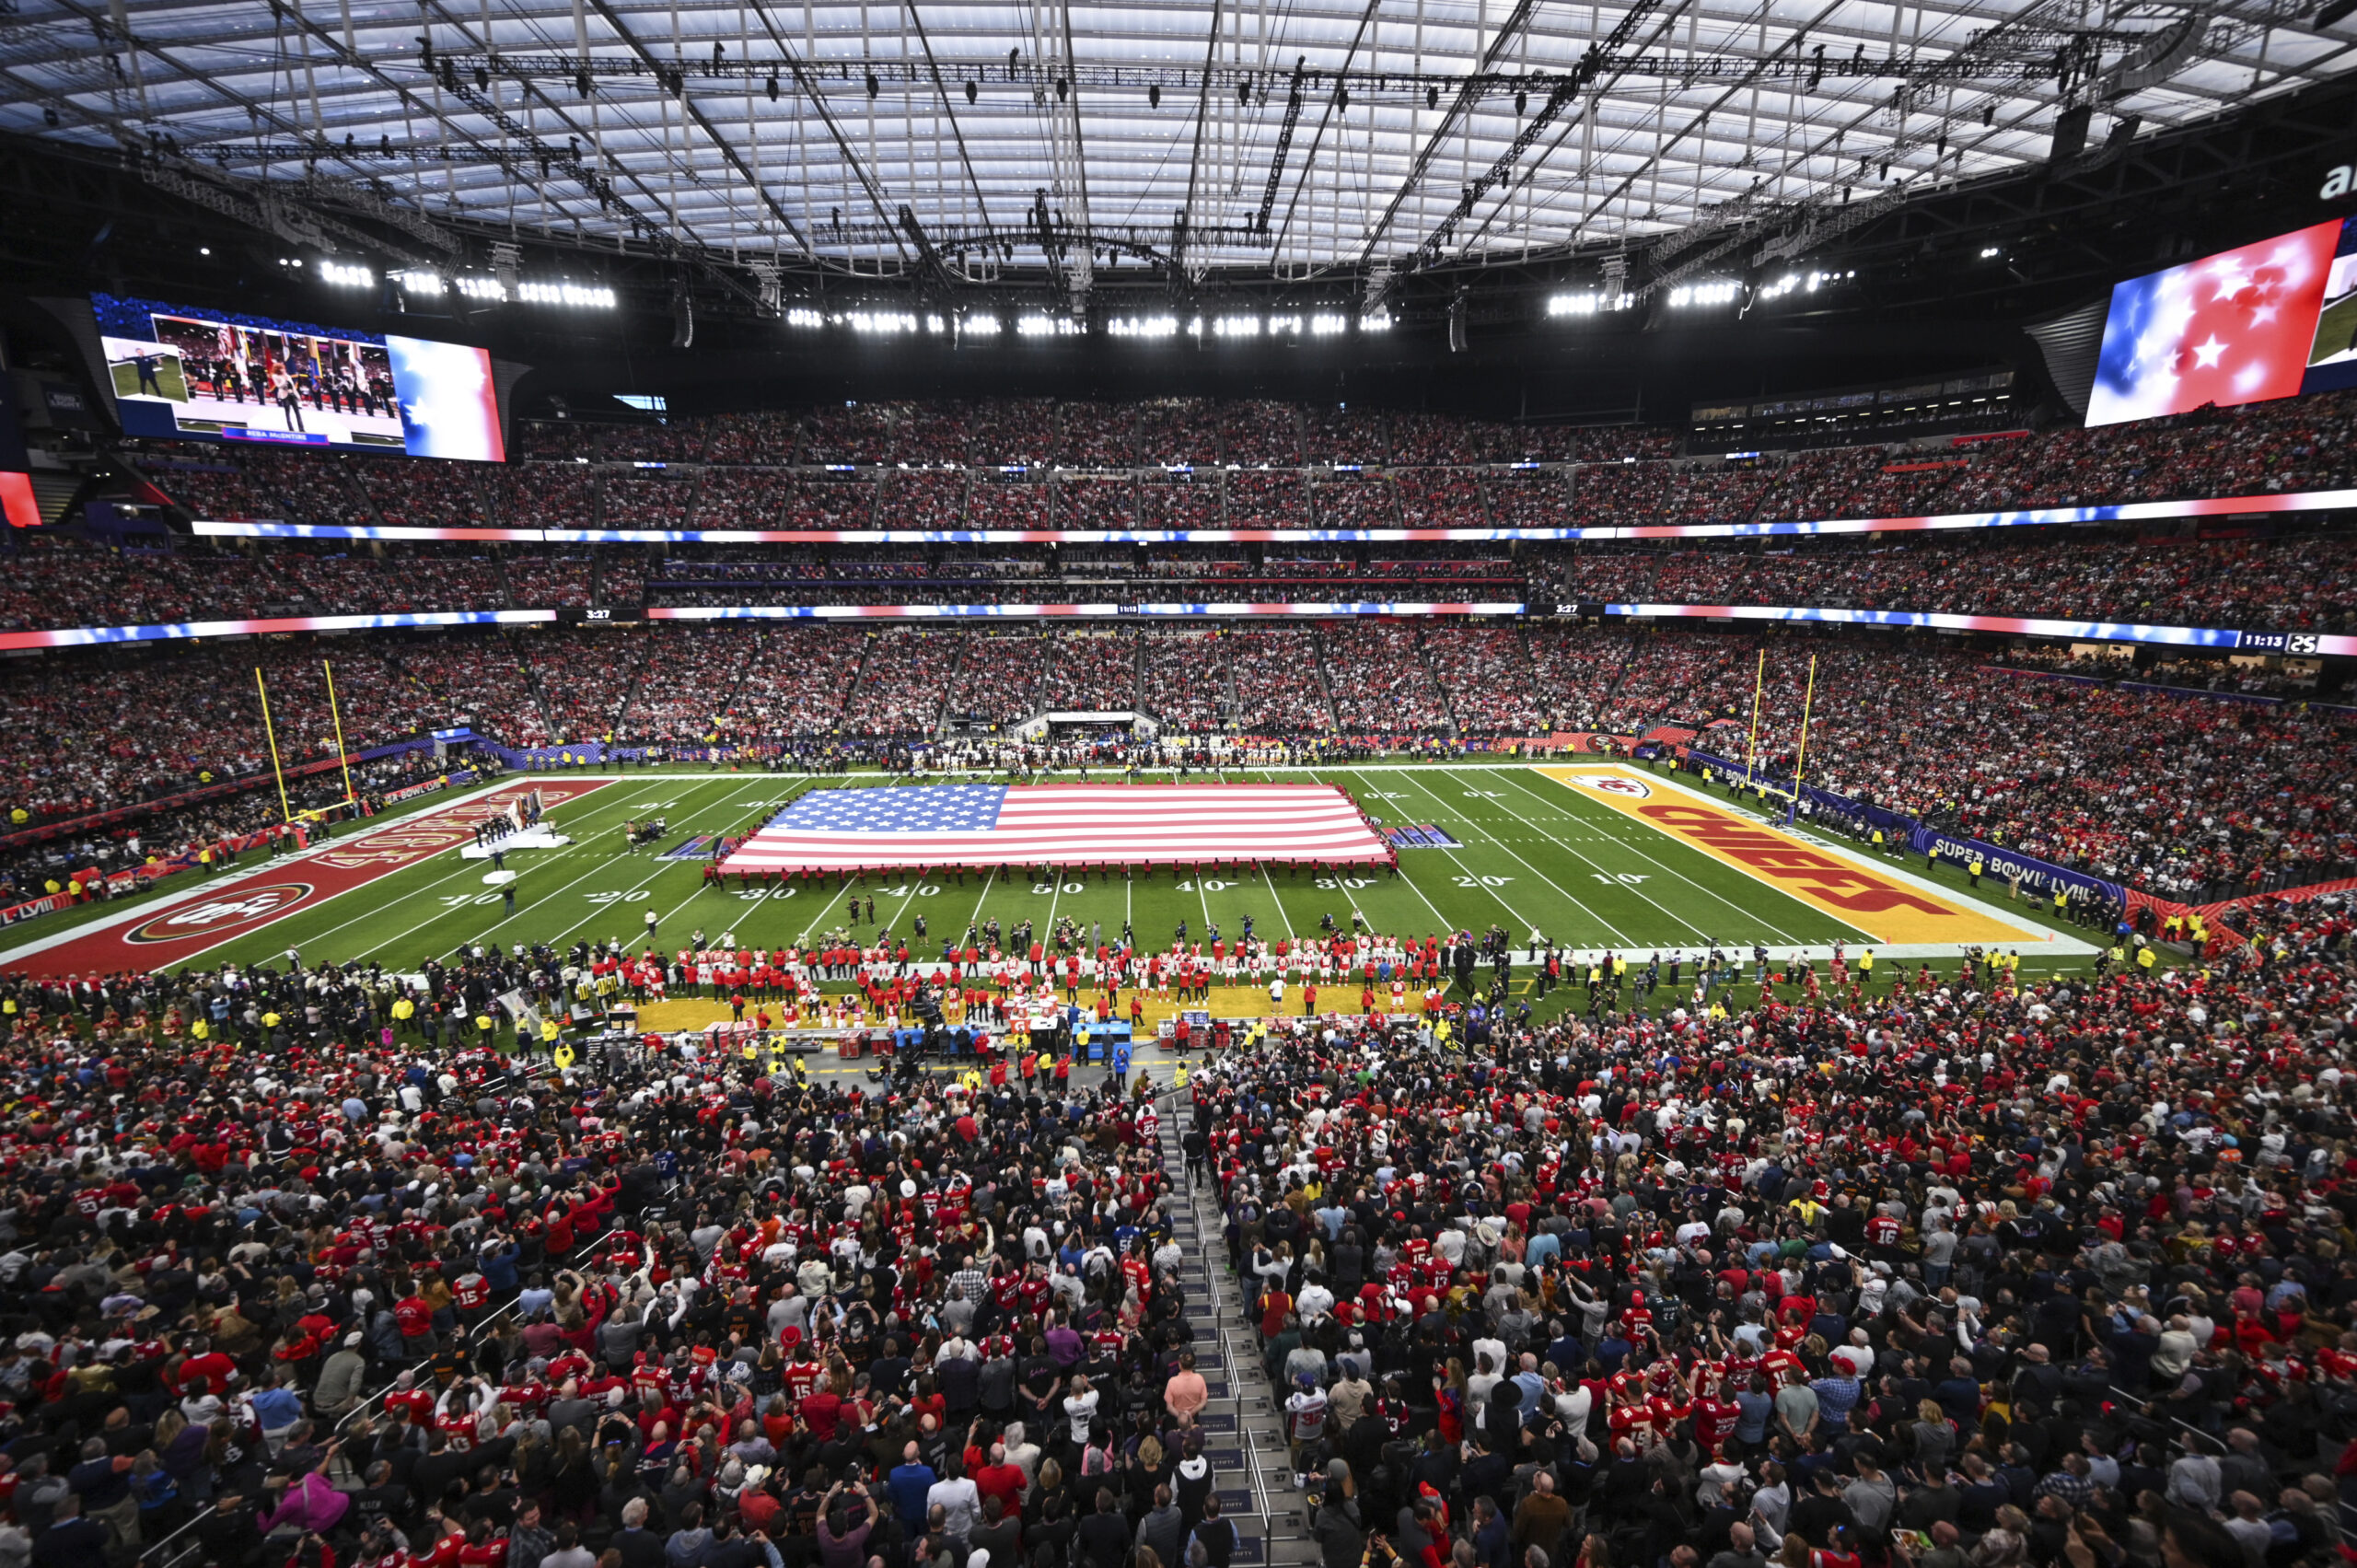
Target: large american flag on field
column 975, row 825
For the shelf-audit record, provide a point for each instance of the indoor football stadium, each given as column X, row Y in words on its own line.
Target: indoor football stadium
column 1484, row 784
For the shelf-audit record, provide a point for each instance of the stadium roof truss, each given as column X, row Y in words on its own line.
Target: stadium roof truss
column 962, row 142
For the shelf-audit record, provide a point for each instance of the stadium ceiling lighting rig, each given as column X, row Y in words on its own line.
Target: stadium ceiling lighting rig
column 1694, row 295
column 482, row 290
column 347, row 276
column 1795, row 282
column 1591, row 304
column 1144, row 326
column 584, row 296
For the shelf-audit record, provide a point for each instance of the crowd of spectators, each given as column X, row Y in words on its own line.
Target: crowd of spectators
column 861, row 433
column 903, row 676
column 582, row 677
column 1278, row 499
column 50, row 584
column 1175, row 431
column 2286, row 580
column 1336, row 433
column 1585, row 576
column 411, row 493
column 1096, row 435
column 1182, row 501
column 998, row 679
column 1260, row 435
column 841, row 503
column 1012, row 432
column 1574, row 668
column 769, row 437
column 1350, row 501
column 1108, row 504
column 1486, row 677
column 647, row 501
column 2289, row 582
column 542, row 496
column 742, row 498
column 1015, row 503
column 1185, row 680
column 1421, row 440
column 1531, row 498
column 1377, row 674
column 209, row 490
column 1090, row 672
column 549, row 582
column 1279, row 689
column 1956, row 1271
column 706, row 684
column 923, row 500
column 1437, row 499
column 311, row 487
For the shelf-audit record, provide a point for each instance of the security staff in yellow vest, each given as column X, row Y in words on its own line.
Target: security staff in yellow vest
column 1975, row 870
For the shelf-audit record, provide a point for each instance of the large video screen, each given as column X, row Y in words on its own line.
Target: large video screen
column 184, row 373
column 2271, row 319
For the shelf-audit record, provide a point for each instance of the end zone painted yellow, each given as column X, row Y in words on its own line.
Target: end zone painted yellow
column 1891, row 907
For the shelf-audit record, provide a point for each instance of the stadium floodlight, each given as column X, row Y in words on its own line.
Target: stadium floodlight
column 880, row 323
column 347, row 276
column 980, row 325
column 933, row 323
column 419, row 281
column 1589, row 304
column 1141, row 326
column 1236, row 327
column 1691, row 295
column 1046, row 327
column 1285, row 324
column 486, row 290
column 800, row 318
column 584, row 296
column 1375, row 322
column 1326, row 324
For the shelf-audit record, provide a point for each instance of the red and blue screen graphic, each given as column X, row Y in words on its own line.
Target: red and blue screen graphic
column 2270, row 319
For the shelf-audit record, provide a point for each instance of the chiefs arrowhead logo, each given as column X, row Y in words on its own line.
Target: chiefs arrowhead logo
column 1613, row 784
column 211, row 917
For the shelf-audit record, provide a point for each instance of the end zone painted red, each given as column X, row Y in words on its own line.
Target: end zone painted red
column 210, row 913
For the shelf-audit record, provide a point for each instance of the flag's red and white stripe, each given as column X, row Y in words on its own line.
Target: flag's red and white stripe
column 1102, row 824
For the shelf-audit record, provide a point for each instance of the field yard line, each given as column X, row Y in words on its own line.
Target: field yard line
column 552, row 941
column 1274, row 897
column 1518, row 917
column 1642, row 853
column 463, row 868
column 170, row 894
column 1415, row 886
column 1277, row 899
column 601, row 866
column 1204, row 899
column 1699, row 933
column 979, row 900
column 379, row 909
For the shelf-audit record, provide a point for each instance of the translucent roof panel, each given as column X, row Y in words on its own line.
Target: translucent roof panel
column 1415, row 131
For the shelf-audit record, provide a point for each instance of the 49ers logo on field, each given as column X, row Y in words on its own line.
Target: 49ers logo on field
column 1613, row 784
column 211, row 917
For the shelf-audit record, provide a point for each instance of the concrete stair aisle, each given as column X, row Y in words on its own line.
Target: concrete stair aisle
column 1244, row 1430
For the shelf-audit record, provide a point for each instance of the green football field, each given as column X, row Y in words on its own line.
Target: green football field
column 1535, row 857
